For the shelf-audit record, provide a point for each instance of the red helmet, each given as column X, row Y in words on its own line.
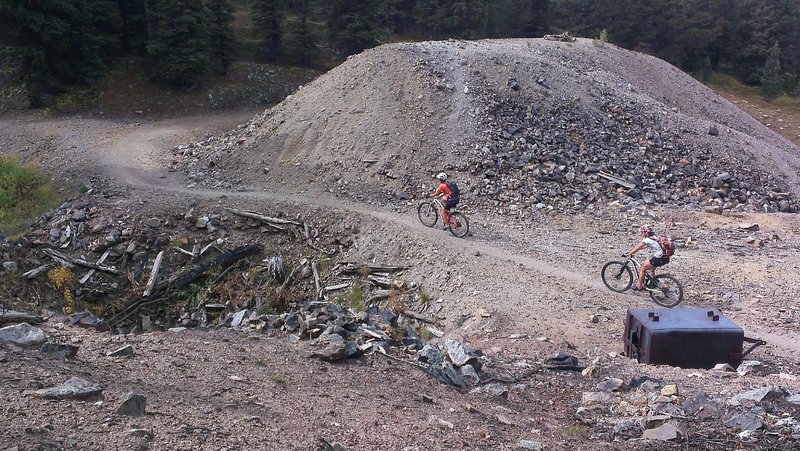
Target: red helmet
column 646, row 229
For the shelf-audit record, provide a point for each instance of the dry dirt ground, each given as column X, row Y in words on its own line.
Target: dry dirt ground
column 517, row 290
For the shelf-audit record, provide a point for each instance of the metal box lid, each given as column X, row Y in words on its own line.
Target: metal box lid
column 687, row 319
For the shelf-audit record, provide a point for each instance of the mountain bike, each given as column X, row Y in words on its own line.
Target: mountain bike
column 429, row 211
column 664, row 289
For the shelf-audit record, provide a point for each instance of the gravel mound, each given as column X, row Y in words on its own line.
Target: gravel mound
column 524, row 125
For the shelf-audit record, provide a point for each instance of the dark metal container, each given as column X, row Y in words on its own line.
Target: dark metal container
column 684, row 337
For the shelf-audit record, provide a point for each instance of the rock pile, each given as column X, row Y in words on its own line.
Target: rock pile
column 527, row 124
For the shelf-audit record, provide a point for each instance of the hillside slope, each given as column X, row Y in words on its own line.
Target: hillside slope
column 525, row 124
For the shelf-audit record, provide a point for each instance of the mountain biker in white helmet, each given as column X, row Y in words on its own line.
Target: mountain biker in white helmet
column 658, row 258
column 450, row 198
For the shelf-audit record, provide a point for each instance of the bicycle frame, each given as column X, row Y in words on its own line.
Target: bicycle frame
column 637, row 266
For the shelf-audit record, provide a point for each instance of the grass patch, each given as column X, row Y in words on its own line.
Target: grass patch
column 280, row 380
column 260, row 361
column 782, row 114
column 579, row 432
column 25, row 193
column 355, row 298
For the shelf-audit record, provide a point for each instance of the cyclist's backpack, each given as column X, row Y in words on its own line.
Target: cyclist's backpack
column 455, row 192
column 667, row 246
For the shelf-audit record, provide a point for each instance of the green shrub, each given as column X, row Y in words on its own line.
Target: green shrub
column 25, row 193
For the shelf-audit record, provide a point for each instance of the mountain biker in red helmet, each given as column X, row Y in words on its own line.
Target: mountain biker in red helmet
column 450, row 200
column 658, row 258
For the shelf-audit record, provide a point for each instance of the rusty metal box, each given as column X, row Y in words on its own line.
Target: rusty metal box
column 684, row 337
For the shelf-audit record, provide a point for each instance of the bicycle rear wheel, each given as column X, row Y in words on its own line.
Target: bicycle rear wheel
column 665, row 290
column 617, row 276
column 459, row 225
column 427, row 214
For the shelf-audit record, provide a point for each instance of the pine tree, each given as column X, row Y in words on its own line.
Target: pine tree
column 179, row 48
column 301, row 41
column 59, row 43
column 771, row 76
column 269, row 18
column 222, row 46
column 353, row 25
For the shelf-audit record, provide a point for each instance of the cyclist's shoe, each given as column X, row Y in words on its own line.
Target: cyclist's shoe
column 635, row 288
column 445, row 228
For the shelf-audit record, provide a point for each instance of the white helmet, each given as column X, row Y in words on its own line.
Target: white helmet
column 441, row 176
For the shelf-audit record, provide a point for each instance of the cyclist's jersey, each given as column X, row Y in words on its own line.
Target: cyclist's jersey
column 654, row 247
column 443, row 189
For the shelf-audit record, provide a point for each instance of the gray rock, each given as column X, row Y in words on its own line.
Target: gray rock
column 530, row 445
column 611, row 384
column 177, row 329
column 747, row 421
column 335, row 348
column 238, row 318
column 88, row 320
column 124, row 351
column 132, row 405
column 10, row 266
column 458, row 355
column 627, row 430
column 430, row 354
column 591, row 397
column 153, row 223
column 61, row 350
column 469, row 375
column 23, row 335
column 713, row 131
column 757, row 395
column 702, row 406
column 75, row 388
column 664, row 432
column 79, row 215
column 147, row 325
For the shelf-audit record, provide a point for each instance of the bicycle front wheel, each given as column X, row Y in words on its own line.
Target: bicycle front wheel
column 666, row 291
column 617, row 276
column 459, row 226
column 427, row 214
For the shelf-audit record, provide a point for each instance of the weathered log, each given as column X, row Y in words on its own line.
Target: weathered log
column 82, row 262
column 221, row 261
column 151, row 281
column 340, row 286
column 267, row 219
column 58, row 257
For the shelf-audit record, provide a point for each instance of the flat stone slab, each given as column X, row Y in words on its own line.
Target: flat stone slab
column 75, row 388
column 23, row 335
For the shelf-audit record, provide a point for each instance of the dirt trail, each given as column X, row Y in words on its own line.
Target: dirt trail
column 138, row 156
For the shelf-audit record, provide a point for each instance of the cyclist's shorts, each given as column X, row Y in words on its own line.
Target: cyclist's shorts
column 450, row 204
column 659, row 261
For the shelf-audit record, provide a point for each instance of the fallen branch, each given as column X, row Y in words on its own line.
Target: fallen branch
column 35, row 272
